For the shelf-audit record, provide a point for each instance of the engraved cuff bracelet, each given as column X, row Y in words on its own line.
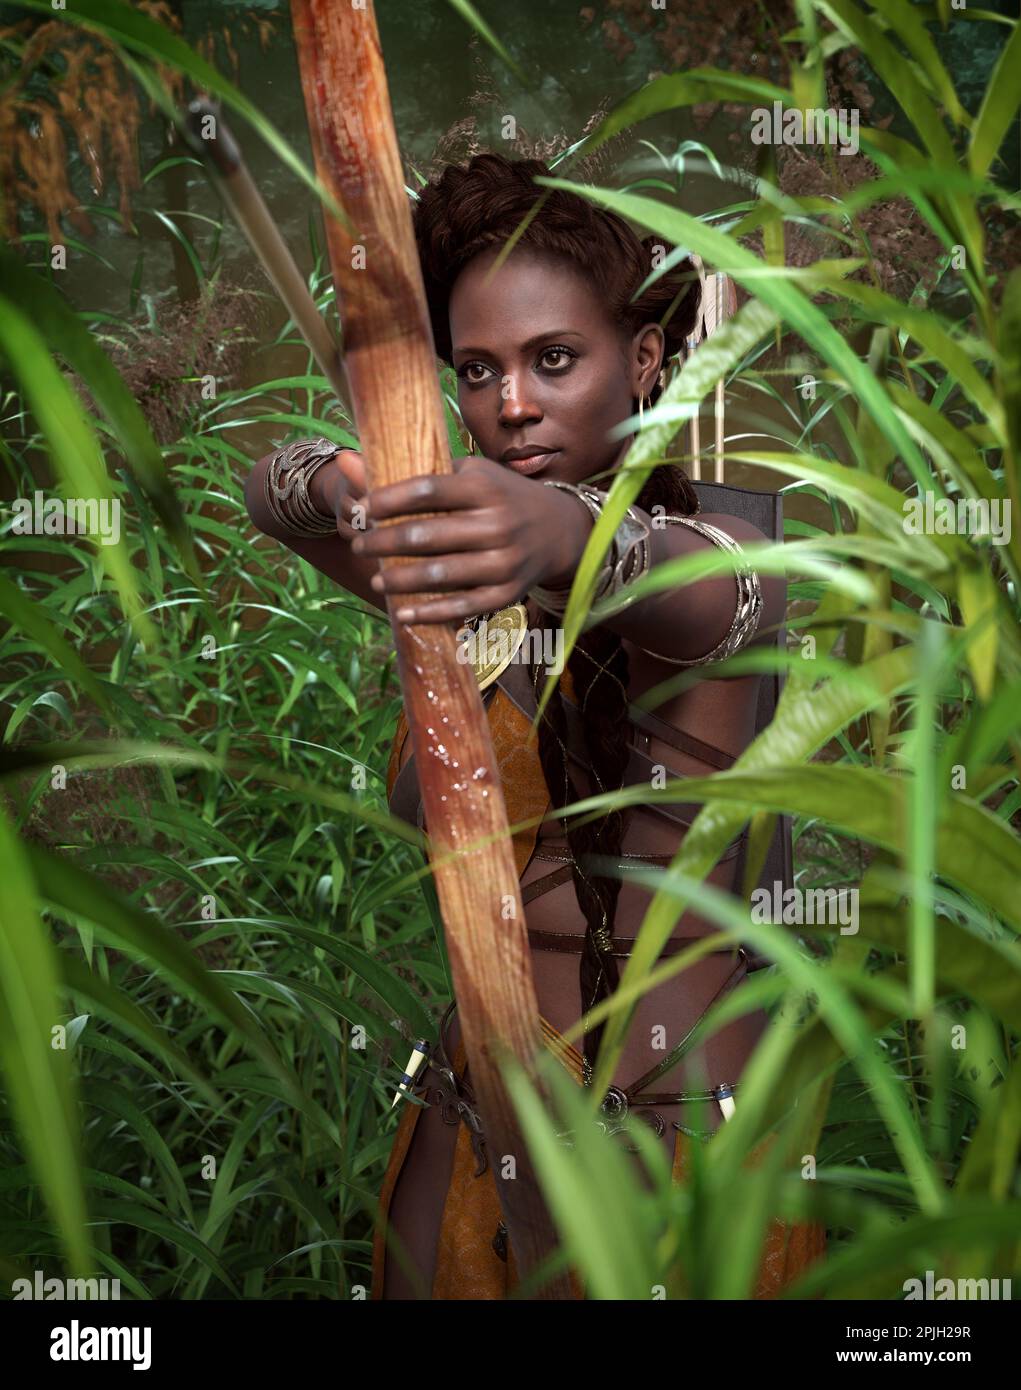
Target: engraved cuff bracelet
column 290, row 471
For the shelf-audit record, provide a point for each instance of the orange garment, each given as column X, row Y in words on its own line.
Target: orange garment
column 517, row 759
column 467, row 1266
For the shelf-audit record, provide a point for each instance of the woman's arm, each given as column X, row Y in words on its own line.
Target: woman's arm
column 685, row 623
column 494, row 535
column 332, row 491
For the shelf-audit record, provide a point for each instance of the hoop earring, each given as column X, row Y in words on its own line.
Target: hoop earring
column 641, row 411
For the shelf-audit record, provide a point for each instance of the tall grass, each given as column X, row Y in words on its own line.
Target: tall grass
column 213, row 937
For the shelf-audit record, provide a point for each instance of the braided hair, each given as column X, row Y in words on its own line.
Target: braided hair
column 464, row 212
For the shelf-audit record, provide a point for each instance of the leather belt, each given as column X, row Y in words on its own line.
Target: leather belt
column 573, row 942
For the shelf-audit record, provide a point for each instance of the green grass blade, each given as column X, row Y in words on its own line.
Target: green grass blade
column 999, row 106
column 39, row 1075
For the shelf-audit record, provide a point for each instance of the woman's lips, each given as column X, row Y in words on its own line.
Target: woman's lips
column 533, row 464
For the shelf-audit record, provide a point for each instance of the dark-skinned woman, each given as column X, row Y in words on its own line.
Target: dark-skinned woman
column 552, row 352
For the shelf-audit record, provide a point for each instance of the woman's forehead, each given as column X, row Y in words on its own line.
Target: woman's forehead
column 531, row 292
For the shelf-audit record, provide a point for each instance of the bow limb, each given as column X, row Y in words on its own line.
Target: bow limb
column 391, row 368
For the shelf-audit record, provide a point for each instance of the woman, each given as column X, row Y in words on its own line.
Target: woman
column 551, row 352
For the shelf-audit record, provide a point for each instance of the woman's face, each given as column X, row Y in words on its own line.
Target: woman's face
column 541, row 365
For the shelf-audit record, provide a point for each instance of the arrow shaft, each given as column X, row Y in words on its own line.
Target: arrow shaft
column 249, row 210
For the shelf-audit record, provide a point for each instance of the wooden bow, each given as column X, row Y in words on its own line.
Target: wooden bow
column 391, row 368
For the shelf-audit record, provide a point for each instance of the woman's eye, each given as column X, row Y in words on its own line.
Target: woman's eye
column 551, row 359
column 563, row 356
column 473, row 372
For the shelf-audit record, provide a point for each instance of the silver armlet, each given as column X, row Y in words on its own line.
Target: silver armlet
column 749, row 598
column 287, row 496
column 629, row 552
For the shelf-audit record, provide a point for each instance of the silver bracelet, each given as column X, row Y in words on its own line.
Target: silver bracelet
column 290, row 471
column 749, row 598
column 629, row 553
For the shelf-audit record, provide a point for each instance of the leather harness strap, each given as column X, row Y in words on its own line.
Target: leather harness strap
column 572, row 943
column 679, row 739
column 517, row 686
column 641, row 769
column 539, row 886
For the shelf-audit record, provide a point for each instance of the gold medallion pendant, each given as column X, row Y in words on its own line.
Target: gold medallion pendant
column 493, row 640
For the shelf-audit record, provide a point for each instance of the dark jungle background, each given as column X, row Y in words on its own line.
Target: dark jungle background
column 214, row 944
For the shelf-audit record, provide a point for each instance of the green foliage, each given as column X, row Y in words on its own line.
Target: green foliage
column 207, row 904
column 218, row 909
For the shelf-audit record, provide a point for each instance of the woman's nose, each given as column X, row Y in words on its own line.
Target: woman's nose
column 515, row 406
